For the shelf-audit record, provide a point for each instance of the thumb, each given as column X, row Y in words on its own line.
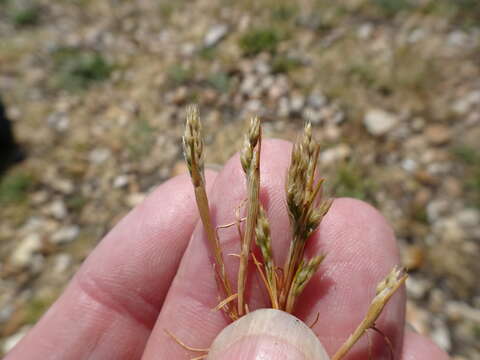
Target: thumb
column 267, row 334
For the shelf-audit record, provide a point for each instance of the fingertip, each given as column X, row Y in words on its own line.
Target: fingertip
column 361, row 229
column 418, row 347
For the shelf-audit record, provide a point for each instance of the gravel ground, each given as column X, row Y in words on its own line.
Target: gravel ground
column 97, row 92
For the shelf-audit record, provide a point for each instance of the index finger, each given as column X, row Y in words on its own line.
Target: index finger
column 110, row 306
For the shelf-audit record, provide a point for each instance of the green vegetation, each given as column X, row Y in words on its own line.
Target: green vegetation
column 285, row 64
column 351, row 182
column 284, row 11
column 467, row 154
column 476, row 331
column 179, row 75
column 14, row 187
column 36, row 308
column 219, row 81
column 362, row 73
column 471, row 159
column 260, row 40
column 21, row 13
column 76, row 202
column 25, row 16
column 77, row 68
column 463, row 12
column 141, row 139
column 208, row 53
column 392, row 7
column 166, row 9
column 420, row 215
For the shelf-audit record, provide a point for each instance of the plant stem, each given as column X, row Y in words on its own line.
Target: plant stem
column 193, row 151
column 253, row 189
column 385, row 290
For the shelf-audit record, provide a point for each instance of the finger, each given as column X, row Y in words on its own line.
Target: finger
column 360, row 246
column 110, row 306
column 361, row 250
column 418, row 347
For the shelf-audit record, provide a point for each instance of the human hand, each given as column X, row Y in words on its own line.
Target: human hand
column 154, row 271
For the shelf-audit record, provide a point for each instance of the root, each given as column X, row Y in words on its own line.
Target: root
column 386, row 339
column 186, row 347
column 315, row 321
column 224, row 302
column 273, row 299
column 199, row 357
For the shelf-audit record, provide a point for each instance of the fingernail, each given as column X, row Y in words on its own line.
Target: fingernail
column 267, row 334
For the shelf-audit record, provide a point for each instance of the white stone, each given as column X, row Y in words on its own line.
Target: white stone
column 312, row 115
column 187, row 49
column 5, row 312
column 283, row 107
column 449, row 230
column 296, row 103
column 332, row 132
column 120, row 181
column 461, row 106
column 24, row 252
column 36, row 263
column 409, row 165
column 440, row 335
column 316, row 100
column 469, row 217
column 262, row 68
column 248, row 84
column 416, row 35
column 418, row 124
column 65, row 234
column 379, row 122
column 417, row 288
column 99, row 155
column 457, row 38
column 58, row 121
column 253, row 106
column 365, row 31
column 135, row 199
column 13, row 340
column 335, row 154
column 437, row 208
column 63, row 185
column 338, row 117
column 279, row 88
column 57, row 209
column 61, row 263
column 267, row 82
column 474, row 97
column 215, row 34
column 457, row 310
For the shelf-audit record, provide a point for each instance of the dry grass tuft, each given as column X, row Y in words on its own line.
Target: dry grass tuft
column 306, row 209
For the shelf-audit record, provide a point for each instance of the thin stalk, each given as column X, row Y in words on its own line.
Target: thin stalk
column 253, row 190
column 193, row 151
column 385, row 290
column 264, row 242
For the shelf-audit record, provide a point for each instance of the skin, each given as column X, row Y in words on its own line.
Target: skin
column 153, row 272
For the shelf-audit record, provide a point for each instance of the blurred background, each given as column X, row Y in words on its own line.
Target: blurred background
column 96, row 93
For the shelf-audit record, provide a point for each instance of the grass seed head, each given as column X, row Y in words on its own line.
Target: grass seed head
column 193, row 145
column 251, row 140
